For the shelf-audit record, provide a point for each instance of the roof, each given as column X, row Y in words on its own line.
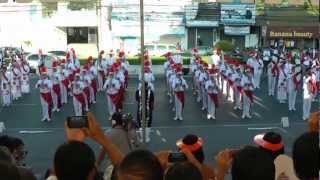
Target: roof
column 287, row 16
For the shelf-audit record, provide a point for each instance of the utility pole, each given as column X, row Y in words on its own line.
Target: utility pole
column 143, row 92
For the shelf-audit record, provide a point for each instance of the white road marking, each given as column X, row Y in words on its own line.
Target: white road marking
column 158, row 132
column 23, row 104
column 163, row 140
column 262, row 128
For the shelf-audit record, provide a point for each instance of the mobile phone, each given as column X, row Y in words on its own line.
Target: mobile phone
column 77, row 122
column 177, row 157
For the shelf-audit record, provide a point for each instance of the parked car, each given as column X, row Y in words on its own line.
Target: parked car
column 159, row 49
column 58, row 53
column 33, row 61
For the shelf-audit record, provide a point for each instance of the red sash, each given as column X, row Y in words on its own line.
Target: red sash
column 275, row 70
column 65, row 82
column 80, row 98
column 71, row 77
column 86, row 90
column 296, row 82
column 180, row 96
column 313, row 86
column 57, row 91
column 214, row 98
column 48, row 98
column 240, row 89
column 230, row 82
column 249, row 94
column 114, row 98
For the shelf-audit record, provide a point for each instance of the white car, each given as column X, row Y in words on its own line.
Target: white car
column 33, row 60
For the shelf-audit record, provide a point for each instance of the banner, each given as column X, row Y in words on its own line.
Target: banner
column 236, row 30
column 238, row 14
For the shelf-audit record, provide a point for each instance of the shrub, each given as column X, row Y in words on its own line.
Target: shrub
column 226, row 46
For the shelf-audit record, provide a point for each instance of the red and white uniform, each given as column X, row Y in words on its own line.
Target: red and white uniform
column 179, row 84
column 112, row 87
column 294, row 81
column 309, row 90
column 212, row 93
column 101, row 66
column 238, row 88
column 79, row 101
column 56, row 91
column 257, row 66
column 25, row 82
column 5, row 93
column 282, row 85
column 65, row 85
column 273, row 73
column 247, row 83
column 45, row 86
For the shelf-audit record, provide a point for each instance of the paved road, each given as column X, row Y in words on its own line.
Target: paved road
column 228, row 130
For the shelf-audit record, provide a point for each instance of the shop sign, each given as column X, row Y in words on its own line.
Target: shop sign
column 239, row 14
column 289, row 32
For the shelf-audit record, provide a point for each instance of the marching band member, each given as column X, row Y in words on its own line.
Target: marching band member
column 212, row 93
column 202, row 80
column 247, row 83
column 294, row 80
column 65, row 82
column 101, row 65
column 25, row 84
column 149, row 95
column 16, row 84
column 44, row 85
column 238, row 89
column 179, row 84
column 112, row 87
column 257, row 66
column 177, row 58
column 282, row 84
column 56, row 87
column 79, row 101
column 309, row 89
column 170, row 77
column 86, row 86
column 94, row 87
column 273, row 72
column 230, row 82
column 5, row 93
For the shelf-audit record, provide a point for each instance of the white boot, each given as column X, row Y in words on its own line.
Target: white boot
column 148, row 134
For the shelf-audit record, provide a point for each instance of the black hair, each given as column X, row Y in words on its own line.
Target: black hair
column 273, row 138
column 183, row 170
column 74, row 160
column 6, row 141
column 191, row 139
column 16, row 142
column 252, row 163
column 141, row 163
column 305, row 155
column 9, row 171
column 117, row 118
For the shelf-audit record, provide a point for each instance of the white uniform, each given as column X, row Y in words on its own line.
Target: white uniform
column 230, row 82
column 237, row 78
column 45, row 86
column 101, row 66
column 56, row 91
column 307, row 95
column 64, row 86
column 178, row 59
column 25, row 82
column 198, row 84
column 247, row 83
column 273, row 72
column 293, row 85
column 257, row 71
column 5, row 93
column 212, row 93
column 112, row 87
column 282, row 85
column 214, row 60
column 202, row 80
column 179, row 84
column 16, row 84
column 79, row 102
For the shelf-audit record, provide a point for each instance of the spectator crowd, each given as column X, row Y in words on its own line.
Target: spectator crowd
column 268, row 159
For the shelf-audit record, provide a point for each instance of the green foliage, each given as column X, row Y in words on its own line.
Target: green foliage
column 79, row 5
column 226, row 46
column 49, row 8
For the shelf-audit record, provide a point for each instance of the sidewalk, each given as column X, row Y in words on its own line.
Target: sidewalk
column 156, row 69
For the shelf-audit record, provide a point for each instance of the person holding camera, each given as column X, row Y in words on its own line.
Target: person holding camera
column 149, row 104
column 122, row 135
